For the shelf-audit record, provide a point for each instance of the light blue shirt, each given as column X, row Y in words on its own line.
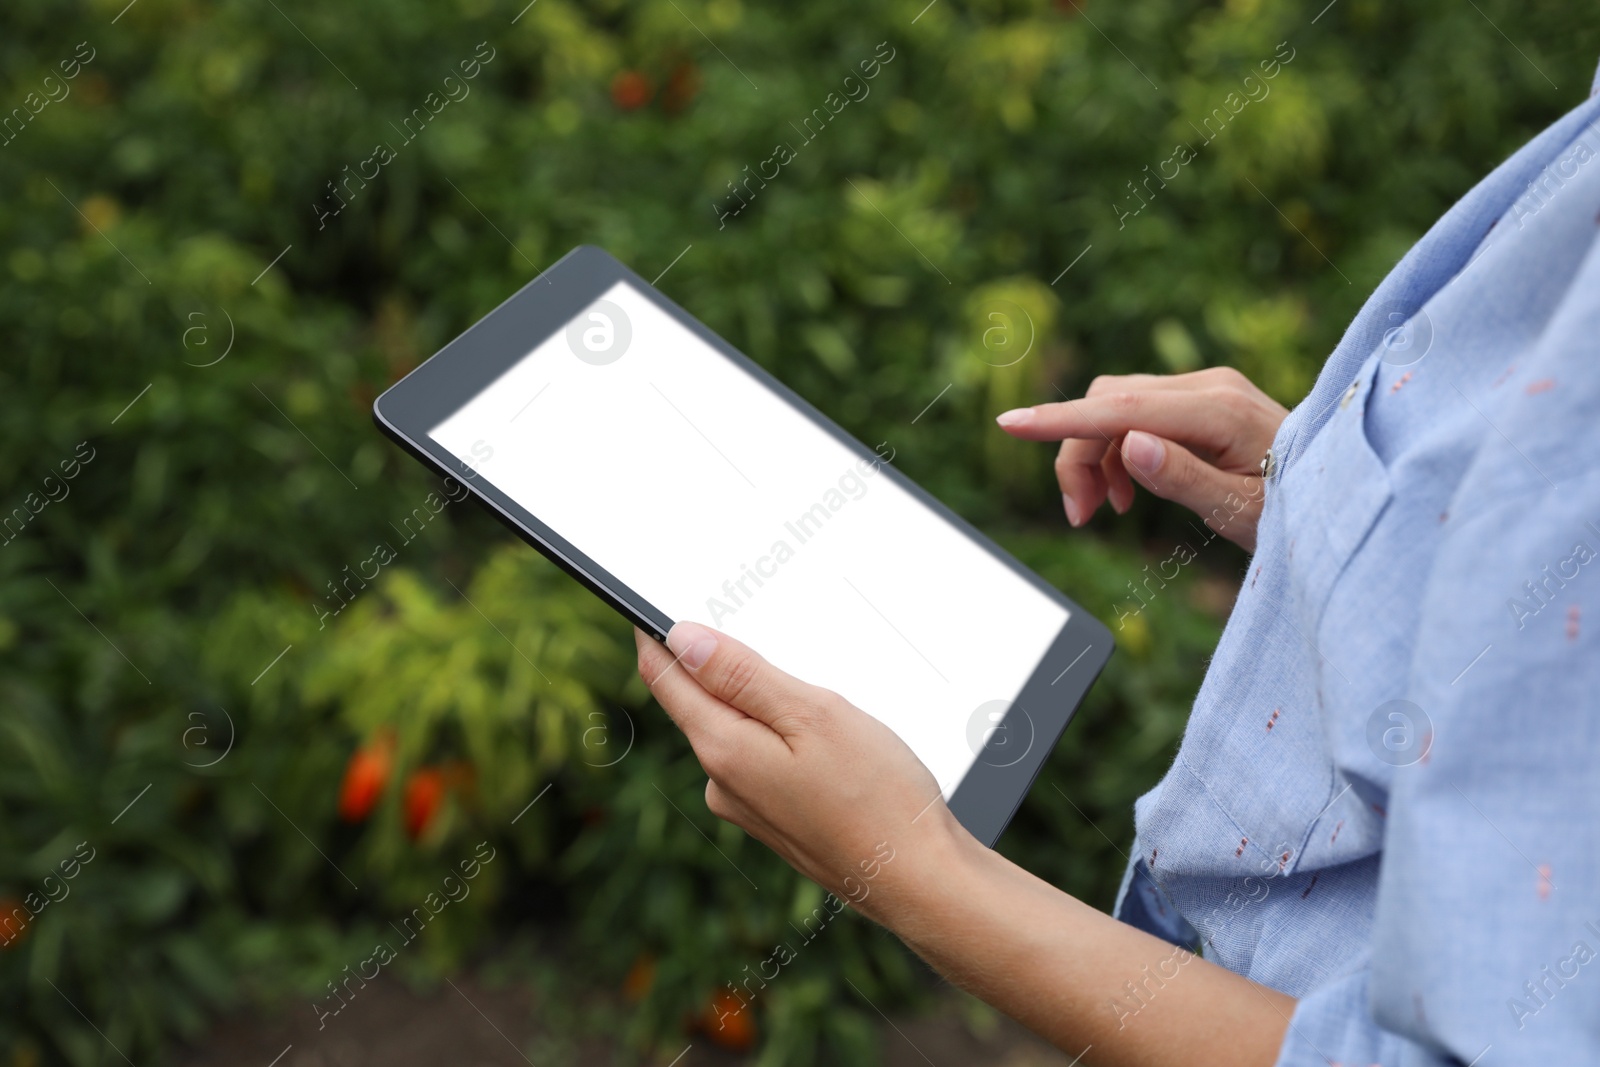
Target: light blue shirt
column 1387, row 800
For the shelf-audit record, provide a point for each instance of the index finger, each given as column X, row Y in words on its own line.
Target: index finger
column 1177, row 416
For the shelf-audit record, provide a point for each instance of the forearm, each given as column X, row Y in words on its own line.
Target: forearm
column 1064, row 969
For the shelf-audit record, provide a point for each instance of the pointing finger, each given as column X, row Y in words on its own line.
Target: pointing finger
column 1177, row 416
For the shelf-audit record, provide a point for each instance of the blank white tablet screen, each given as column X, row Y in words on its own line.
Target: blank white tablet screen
column 711, row 497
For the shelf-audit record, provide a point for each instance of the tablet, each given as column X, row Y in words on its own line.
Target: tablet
column 676, row 479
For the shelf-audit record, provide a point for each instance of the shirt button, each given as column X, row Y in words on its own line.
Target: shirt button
column 1349, row 395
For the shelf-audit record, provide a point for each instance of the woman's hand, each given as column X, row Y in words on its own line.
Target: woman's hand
column 840, row 797
column 1196, row 439
column 829, row 788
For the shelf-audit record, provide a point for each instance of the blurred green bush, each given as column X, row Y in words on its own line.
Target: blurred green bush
column 179, row 296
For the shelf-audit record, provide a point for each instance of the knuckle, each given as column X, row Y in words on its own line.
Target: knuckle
column 737, row 677
column 1218, row 378
column 1102, row 383
column 1124, row 403
column 1228, row 400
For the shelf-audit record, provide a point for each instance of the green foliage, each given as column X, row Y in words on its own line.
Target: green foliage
column 180, row 597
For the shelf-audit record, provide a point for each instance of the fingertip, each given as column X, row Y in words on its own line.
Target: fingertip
column 1074, row 515
column 692, row 643
column 1014, row 419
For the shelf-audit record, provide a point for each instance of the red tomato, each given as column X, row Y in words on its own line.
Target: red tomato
column 729, row 1022
column 425, row 791
column 630, row 90
column 365, row 778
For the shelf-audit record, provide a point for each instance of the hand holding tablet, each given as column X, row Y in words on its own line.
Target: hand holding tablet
column 680, row 481
column 766, row 740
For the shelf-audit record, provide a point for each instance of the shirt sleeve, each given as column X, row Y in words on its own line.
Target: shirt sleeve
column 1486, row 941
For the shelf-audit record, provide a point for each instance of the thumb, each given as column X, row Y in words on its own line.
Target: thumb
column 735, row 674
column 1171, row 471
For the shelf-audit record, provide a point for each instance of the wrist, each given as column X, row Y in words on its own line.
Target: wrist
column 932, row 871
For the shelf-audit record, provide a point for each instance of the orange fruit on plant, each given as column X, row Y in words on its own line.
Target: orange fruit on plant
column 424, row 795
column 640, row 977
column 631, row 90
column 13, row 922
column 729, row 1022
column 365, row 777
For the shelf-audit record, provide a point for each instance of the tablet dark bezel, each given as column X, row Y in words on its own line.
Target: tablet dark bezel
column 989, row 795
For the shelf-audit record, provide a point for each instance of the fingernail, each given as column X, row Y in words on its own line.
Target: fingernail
column 1120, row 503
column 1144, row 452
column 692, row 644
column 1072, row 509
column 1015, row 417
